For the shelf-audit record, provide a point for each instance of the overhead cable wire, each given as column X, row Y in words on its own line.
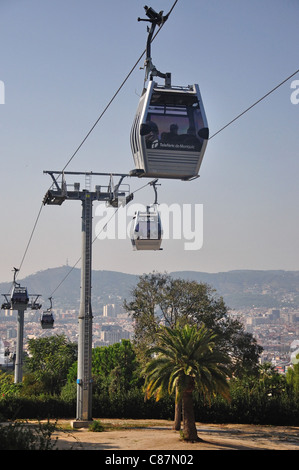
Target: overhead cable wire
column 30, row 238
column 79, row 259
column 116, row 93
column 92, row 129
column 111, row 101
column 216, row 133
column 254, row 104
column 95, row 238
column 220, row 130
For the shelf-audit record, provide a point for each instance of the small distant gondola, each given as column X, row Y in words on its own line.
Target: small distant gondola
column 170, row 131
column 19, row 295
column 47, row 318
column 146, row 230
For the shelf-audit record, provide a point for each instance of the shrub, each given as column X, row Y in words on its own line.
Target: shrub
column 36, row 408
column 20, row 436
column 96, row 426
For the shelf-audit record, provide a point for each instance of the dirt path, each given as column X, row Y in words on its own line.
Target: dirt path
column 158, row 435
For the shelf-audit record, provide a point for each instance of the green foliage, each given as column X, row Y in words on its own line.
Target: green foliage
column 115, row 368
column 258, row 394
column 31, row 386
column 49, row 362
column 247, row 405
column 131, row 405
column 7, row 386
column 96, row 426
column 42, row 407
column 69, row 392
column 160, row 299
column 292, row 377
column 24, row 436
column 184, row 360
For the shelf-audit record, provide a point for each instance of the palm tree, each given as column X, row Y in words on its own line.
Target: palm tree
column 183, row 361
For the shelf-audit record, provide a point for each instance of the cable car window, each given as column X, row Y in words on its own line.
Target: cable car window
column 147, row 228
column 173, row 128
column 133, row 133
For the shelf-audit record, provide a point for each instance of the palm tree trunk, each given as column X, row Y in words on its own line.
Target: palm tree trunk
column 177, row 416
column 189, row 427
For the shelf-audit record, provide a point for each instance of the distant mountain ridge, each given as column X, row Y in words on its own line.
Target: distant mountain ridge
column 239, row 288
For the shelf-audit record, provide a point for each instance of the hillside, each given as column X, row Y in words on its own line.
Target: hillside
column 240, row 289
column 248, row 288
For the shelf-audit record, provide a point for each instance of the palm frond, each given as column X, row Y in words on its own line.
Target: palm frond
column 183, row 358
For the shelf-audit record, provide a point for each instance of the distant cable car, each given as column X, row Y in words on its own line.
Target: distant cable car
column 19, row 295
column 146, row 230
column 47, row 318
column 170, row 131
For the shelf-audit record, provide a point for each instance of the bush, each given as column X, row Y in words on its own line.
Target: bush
column 69, row 392
column 250, row 409
column 244, row 408
column 36, row 408
column 96, row 426
column 20, row 436
column 132, row 405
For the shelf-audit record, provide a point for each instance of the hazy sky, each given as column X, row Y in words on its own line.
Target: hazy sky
column 61, row 63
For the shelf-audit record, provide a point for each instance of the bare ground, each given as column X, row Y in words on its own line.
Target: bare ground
column 158, row 435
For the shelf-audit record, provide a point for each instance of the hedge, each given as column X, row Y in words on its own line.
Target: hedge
column 282, row 410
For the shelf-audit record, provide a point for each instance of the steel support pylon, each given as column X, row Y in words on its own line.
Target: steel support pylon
column 20, row 307
column 19, row 349
column 111, row 194
column 84, row 378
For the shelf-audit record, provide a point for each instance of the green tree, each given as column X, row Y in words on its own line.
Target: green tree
column 271, row 383
column 7, row 386
column 160, row 299
column 49, row 361
column 292, row 377
column 116, row 366
column 184, row 360
column 114, row 369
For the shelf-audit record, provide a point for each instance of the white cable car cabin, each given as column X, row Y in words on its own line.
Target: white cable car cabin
column 170, row 132
column 146, row 231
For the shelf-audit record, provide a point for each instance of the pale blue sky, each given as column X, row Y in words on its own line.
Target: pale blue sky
column 61, row 63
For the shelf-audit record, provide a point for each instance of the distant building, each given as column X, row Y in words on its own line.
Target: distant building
column 109, row 310
column 4, row 357
column 275, row 314
column 2, row 352
column 111, row 334
column 11, row 333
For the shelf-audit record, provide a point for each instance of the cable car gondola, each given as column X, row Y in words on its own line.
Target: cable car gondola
column 19, row 295
column 146, row 231
column 47, row 318
column 170, row 131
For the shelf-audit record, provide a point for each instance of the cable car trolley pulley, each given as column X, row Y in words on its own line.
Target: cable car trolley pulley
column 170, row 131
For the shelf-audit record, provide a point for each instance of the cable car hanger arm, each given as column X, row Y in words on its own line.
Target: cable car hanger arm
column 154, row 184
column 156, row 19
